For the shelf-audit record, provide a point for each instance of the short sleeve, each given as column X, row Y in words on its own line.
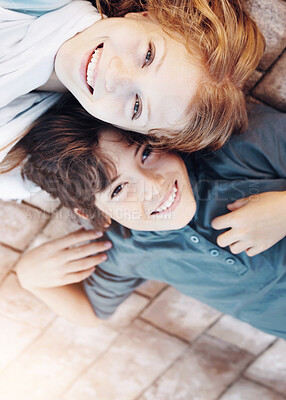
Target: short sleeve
column 258, row 153
column 106, row 291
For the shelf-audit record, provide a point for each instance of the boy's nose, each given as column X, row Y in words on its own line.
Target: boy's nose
column 153, row 187
column 118, row 77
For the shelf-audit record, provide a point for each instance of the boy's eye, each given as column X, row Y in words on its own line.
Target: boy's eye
column 137, row 109
column 117, row 190
column 146, row 153
column 150, row 55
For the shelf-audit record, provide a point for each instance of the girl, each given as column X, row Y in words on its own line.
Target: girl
column 168, row 203
column 176, row 69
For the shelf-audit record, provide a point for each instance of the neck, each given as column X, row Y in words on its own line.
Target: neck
column 53, row 84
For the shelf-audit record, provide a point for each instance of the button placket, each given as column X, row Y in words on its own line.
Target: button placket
column 214, row 252
column 194, row 239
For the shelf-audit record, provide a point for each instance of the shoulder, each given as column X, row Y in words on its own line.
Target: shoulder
column 265, row 124
column 257, row 153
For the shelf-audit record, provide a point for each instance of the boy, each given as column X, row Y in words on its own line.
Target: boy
column 168, row 204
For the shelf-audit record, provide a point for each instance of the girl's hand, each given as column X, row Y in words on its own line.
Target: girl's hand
column 62, row 261
column 256, row 223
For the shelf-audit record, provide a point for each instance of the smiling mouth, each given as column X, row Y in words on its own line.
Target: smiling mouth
column 166, row 204
column 92, row 67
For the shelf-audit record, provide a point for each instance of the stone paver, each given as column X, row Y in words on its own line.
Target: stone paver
column 20, row 305
column 62, row 223
column 127, row 311
column 45, row 358
column 270, row 368
column 151, row 288
column 134, row 361
column 272, row 89
column 180, row 315
column 202, row 374
column 14, row 338
column 270, row 17
column 247, row 390
column 8, row 259
column 242, row 335
column 19, row 224
column 54, row 361
column 254, row 78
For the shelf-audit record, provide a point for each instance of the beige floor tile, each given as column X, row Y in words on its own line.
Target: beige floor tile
column 180, row 315
column 20, row 305
column 270, row 367
column 270, row 16
column 8, row 259
column 242, row 335
column 54, row 361
column 252, row 80
column 44, row 201
column 62, row 223
column 247, row 390
column 14, row 338
column 272, row 88
column 19, row 223
column 202, row 374
column 137, row 357
column 151, row 288
column 127, row 311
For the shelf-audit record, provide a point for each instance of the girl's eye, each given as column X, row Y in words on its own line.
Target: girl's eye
column 117, row 190
column 146, row 153
column 137, row 109
column 149, row 55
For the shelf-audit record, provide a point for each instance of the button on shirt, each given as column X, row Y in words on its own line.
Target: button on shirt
column 252, row 289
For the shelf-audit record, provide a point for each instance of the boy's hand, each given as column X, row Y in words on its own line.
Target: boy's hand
column 59, row 262
column 256, row 223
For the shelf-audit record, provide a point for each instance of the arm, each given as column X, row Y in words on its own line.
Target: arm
column 255, row 223
column 69, row 302
column 53, row 272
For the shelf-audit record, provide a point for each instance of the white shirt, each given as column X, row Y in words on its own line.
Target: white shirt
column 29, row 41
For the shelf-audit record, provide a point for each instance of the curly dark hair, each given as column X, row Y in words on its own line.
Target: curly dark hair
column 64, row 157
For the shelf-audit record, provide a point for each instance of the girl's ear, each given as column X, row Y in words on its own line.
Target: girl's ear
column 80, row 213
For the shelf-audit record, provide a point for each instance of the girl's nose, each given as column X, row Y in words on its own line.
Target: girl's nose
column 118, row 76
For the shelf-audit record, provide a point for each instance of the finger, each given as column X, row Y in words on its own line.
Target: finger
column 78, row 276
column 87, row 250
column 222, row 222
column 238, row 247
column 237, row 204
column 85, row 263
column 74, row 238
column 252, row 251
column 227, row 238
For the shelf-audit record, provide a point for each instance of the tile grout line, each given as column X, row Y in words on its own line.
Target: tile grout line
column 241, row 374
column 20, row 354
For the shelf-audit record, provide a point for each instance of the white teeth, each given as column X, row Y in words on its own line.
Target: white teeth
column 90, row 73
column 168, row 202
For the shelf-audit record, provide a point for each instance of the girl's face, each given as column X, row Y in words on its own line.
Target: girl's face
column 150, row 191
column 129, row 72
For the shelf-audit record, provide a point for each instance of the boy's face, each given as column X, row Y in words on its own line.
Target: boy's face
column 150, row 191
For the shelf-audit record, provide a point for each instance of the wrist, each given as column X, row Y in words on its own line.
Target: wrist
column 22, row 278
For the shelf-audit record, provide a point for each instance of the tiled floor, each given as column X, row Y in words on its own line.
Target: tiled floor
column 160, row 344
